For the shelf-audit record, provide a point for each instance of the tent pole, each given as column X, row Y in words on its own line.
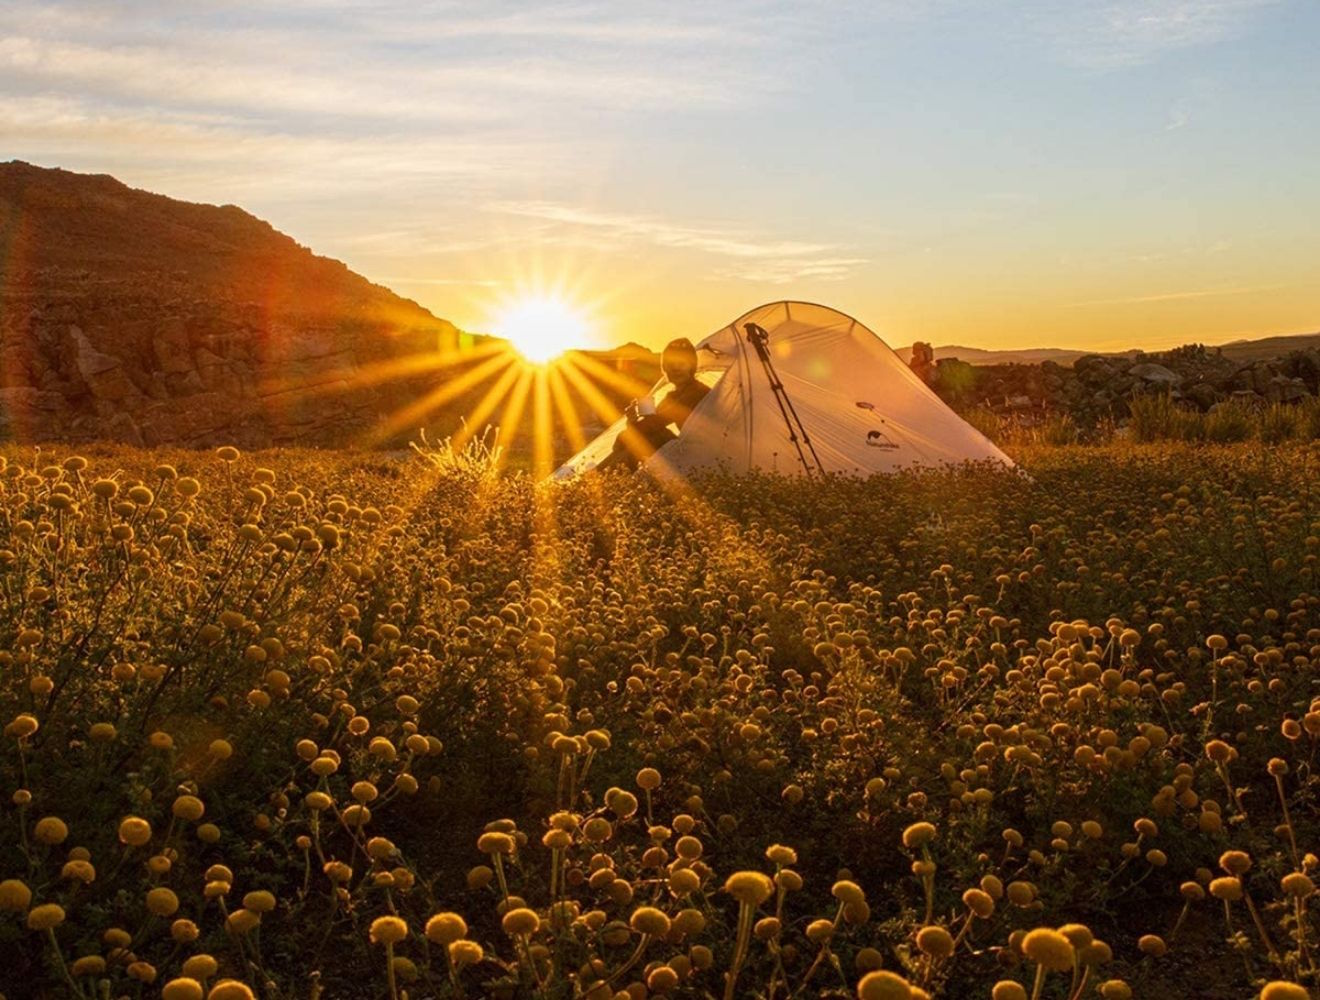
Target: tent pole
column 760, row 339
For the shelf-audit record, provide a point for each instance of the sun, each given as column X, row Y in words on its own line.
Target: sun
column 542, row 327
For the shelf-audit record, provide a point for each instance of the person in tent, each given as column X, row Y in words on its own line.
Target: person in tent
column 649, row 424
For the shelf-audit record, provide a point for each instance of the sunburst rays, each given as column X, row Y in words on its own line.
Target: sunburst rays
column 545, row 408
column 417, row 412
column 351, row 377
column 544, row 411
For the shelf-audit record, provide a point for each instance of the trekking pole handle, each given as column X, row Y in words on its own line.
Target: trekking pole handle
column 758, row 338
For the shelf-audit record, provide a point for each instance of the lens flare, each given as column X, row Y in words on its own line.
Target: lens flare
column 541, row 328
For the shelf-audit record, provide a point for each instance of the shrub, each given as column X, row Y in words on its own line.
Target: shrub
column 1230, row 422
column 1278, row 422
column 987, row 421
column 1308, row 420
column 1059, row 430
column 1155, row 417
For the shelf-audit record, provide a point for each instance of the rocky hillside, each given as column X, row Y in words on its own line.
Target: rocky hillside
column 988, row 356
column 130, row 316
column 1098, row 386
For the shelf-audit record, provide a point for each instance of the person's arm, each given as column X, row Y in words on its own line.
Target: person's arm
column 679, row 404
column 669, row 408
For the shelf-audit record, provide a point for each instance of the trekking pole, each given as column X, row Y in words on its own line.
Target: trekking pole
column 760, row 340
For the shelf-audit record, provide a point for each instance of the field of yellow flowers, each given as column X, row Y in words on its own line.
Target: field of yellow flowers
column 299, row 725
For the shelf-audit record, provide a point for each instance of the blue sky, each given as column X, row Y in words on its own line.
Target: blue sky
column 1135, row 172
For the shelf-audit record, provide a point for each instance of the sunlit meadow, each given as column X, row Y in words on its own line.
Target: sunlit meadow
column 305, row 724
column 381, row 723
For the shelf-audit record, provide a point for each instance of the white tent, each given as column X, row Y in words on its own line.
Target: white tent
column 819, row 394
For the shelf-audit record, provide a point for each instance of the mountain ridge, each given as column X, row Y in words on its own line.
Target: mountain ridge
column 129, row 315
column 1246, row 349
column 1240, row 350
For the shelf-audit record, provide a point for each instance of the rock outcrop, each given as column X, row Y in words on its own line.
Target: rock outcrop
column 130, row 316
column 1103, row 386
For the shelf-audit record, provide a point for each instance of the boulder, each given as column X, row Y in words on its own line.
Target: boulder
column 1093, row 367
column 923, row 361
column 102, row 373
column 1203, row 394
column 1262, row 376
column 172, row 349
column 187, row 383
column 1304, row 365
column 1155, row 375
column 1282, row 389
column 29, row 413
column 1241, row 380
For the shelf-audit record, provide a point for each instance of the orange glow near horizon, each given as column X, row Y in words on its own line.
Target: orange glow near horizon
column 542, row 327
column 998, row 303
column 549, row 406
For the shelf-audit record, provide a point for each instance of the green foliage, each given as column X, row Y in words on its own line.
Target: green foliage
column 1231, row 422
column 1278, row 423
column 956, row 379
column 1059, row 430
column 1308, row 422
column 987, row 422
column 1156, row 417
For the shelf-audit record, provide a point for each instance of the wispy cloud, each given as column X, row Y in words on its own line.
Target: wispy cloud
column 217, row 158
column 746, row 256
column 391, row 64
column 1124, row 33
column 437, row 102
column 661, row 232
column 787, row 270
column 1179, row 116
column 1197, row 293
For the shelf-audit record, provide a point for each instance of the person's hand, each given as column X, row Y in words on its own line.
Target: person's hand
column 632, row 413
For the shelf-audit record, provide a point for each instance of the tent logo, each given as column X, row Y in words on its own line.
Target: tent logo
column 878, row 439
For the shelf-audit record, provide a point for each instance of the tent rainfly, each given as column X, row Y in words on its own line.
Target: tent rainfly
column 801, row 389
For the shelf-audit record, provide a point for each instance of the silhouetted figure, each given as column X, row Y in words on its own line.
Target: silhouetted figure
column 923, row 361
column 649, row 425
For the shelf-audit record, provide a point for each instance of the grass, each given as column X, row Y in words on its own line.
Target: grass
column 1154, row 418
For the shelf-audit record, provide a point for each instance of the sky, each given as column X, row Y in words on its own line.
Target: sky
column 991, row 173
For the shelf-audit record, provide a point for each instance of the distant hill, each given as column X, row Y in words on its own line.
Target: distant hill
column 1268, row 347
column 981, row 356
column 133, row 316
column 630, row 351
column 637, row 354
column 1237, row 350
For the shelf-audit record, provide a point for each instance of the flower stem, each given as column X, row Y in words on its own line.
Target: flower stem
column 1040, row 981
